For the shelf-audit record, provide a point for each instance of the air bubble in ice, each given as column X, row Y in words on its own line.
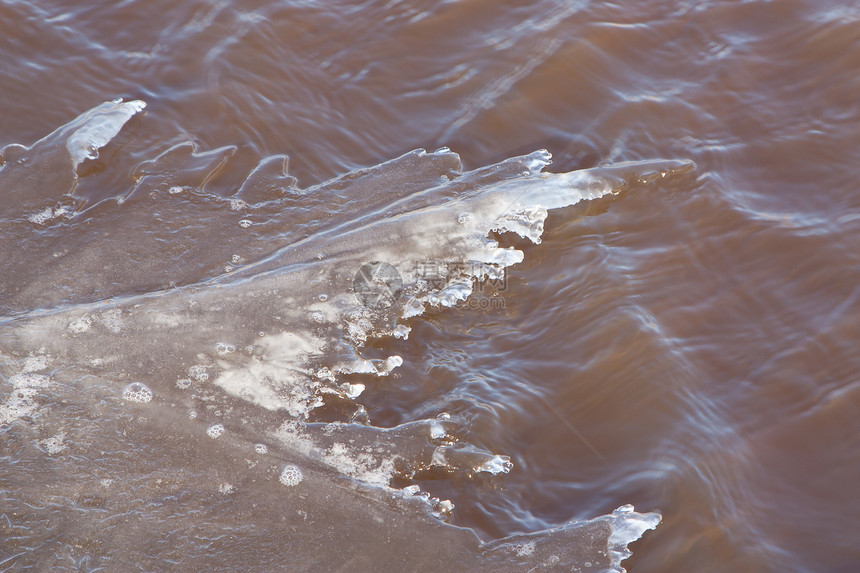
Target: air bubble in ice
column 323, row 297
column 215, row 431
column 222, row 349
column 183, row 383
column 525, row 549
column 80, row 325
column 291, row 476
column 137, row 392
column 244, row 223
column 261, row 448
column 198, row 372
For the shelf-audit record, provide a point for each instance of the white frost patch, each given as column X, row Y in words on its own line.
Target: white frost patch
column 21, row 400
column 112, row 320
column 361, row 463
column 226, row 488
column 278, row 378
column 35, row 363
column 47, row 214
column 54, row 444
column 80, row 325
column 98, row 127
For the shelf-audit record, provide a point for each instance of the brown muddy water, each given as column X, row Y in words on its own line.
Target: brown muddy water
column 207, row 365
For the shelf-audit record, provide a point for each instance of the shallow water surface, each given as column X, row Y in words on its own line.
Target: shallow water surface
column 243, row 324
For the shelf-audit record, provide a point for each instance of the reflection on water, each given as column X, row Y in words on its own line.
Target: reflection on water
column 685, row 346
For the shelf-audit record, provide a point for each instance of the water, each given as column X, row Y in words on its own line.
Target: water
column 195, row 372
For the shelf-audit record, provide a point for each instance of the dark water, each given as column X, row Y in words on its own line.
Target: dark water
column 687, row 345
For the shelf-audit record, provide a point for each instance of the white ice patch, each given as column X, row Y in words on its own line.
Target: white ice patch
column 54, row 444
column 627, row 527
column 496, row 465
column 363, row 464
column 47, row 214
column 112, row 320
column 35, row 363
column 277, row 379
column 99, row 126
column 81, row 324
column 22, row 398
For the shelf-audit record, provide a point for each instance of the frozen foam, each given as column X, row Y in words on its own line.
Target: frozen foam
column 215, row 431
column 291, row 475
column 137, row 392
column 22, row 398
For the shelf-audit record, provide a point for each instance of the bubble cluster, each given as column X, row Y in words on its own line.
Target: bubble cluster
column 80, row 325
column 222, row 348
column 137, row 392
column 261, row 448
column 199, row 373
column 291, row 476
column 215, row 431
